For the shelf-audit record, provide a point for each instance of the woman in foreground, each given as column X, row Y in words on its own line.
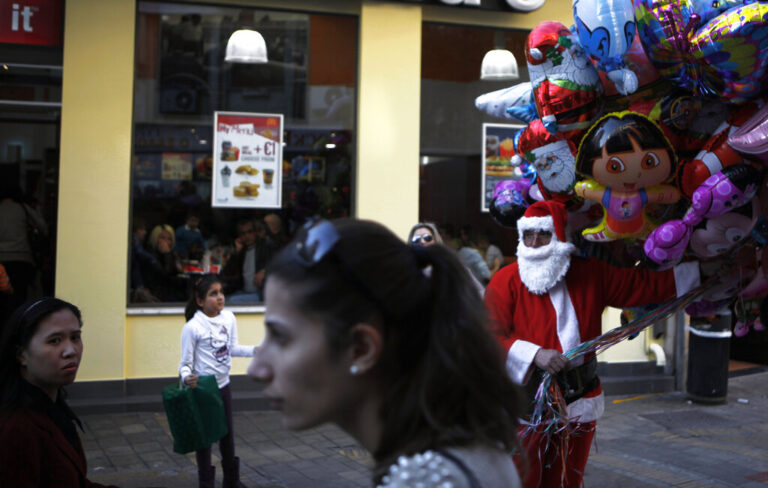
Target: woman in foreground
column 358, row 334
column 40, row 352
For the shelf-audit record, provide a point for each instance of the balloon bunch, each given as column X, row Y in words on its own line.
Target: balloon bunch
column 648, row 120
column 722, row 213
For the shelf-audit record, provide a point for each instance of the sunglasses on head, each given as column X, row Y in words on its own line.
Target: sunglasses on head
column 317, row 241
column 422, row 238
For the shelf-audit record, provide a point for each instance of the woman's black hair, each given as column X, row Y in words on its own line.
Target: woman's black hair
column 199, row 290
column 615, row 132
column 18, row 330
column 441, row 369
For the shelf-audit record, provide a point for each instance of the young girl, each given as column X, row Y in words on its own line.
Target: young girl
column 358, row 334
column 208, row 340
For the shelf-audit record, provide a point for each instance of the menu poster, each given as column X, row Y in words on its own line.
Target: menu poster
column 498, row 149
column 247, row 160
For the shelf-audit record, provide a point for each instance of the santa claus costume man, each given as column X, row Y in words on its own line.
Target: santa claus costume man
column 550, row 301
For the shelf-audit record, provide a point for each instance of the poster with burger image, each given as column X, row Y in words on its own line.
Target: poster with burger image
column 247, row 160
column 498, row 149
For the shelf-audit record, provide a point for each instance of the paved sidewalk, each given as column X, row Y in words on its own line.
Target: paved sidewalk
column 652, row 440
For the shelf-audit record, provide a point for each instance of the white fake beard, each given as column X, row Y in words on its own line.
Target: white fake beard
column 541, row 268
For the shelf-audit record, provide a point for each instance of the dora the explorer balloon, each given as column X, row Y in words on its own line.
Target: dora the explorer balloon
column 626, row 158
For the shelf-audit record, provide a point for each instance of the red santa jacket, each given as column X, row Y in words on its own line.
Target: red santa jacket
column 570, row 313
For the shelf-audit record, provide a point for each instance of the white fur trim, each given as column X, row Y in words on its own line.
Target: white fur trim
column 519, row 360
column 536, row 54
column 687, row 277
column 587, row 409
column 535, row 223
column 567, row 322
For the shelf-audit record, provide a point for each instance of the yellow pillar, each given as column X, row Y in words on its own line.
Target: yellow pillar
column 92, row 247
column 389, row 83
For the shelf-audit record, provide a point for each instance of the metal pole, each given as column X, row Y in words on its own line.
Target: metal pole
column 680, row 359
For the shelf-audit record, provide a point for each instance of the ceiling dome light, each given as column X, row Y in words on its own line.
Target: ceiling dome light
column 246, row 46
column 499, row 64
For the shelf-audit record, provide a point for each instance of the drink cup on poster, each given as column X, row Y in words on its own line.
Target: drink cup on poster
column 225, row 174
column 268, row 175
column 491, row 146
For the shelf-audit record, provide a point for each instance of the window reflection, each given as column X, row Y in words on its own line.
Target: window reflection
column 181, row 79
column 450, row 189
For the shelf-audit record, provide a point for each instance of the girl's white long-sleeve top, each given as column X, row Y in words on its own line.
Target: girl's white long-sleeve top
column 207, row 344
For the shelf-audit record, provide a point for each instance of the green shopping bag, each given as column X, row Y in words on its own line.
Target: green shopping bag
column 195, row 415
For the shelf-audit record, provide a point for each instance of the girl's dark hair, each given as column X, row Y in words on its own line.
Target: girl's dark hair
column 199, row 290
column 615, row 132
column 442, row 370
column 18, row 330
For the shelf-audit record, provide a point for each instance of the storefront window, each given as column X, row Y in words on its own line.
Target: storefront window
column 181, row 80
column 450, row 190
column 30, row 122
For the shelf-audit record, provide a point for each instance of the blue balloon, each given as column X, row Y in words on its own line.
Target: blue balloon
column 606, row 29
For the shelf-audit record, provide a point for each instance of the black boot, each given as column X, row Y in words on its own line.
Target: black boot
column 232, row 474
column 206, row 477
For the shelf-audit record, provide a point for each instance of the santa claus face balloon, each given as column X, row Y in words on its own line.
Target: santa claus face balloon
column 554, row 165
column 552, row 156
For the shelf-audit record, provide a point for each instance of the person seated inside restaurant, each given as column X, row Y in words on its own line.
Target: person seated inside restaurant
column 161, row 274
column 243, row 275
column 276, row 231
column 141, row 259
column 189, row 240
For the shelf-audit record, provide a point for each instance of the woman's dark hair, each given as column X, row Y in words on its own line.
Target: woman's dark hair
column 442, row 370
column 615, row 132
column 18, row 330
column 199, row 290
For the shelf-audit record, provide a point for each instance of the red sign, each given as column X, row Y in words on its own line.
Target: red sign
column 37, row 22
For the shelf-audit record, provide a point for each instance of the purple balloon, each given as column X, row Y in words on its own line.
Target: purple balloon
column 732, row 187
column 666, row 245
column 510, row 199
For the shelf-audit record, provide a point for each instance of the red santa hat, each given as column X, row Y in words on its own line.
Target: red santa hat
column 544, row 37
column 544, row 215
column 534, row 136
